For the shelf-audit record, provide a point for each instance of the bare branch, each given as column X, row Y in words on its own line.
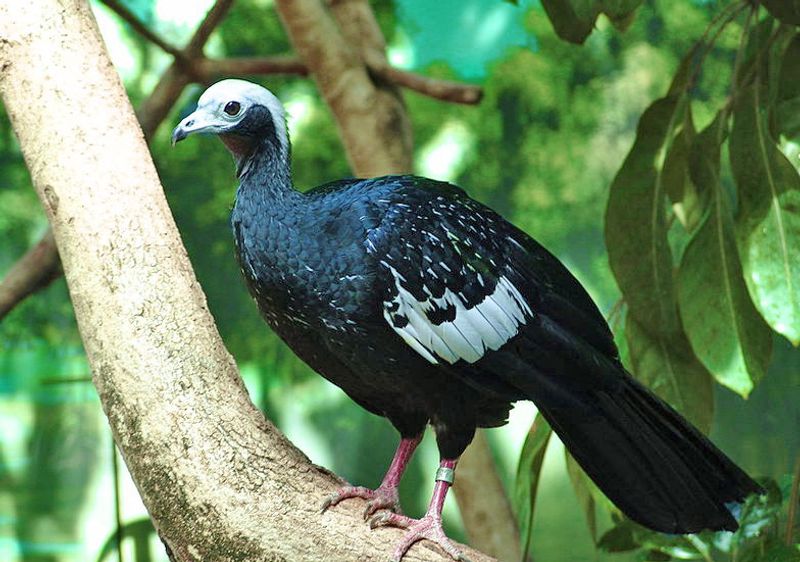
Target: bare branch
column 139, row 27
column 172, row 82
column 34, row 271
column 213, row 18
column 41, row 265
column 444, row 90
column 209, row 69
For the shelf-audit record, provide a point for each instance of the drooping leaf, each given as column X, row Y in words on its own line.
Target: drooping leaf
column 777, row 61
column 725, row 330
column 620, row 12
column 527, row 481
column 574, row 20
column 669, row 367
column 788, row 11
column 787, row 109
column 636, row 225
column 580, row 484
column 789, row 80
column 756, row 41
column 768, row 218
column 689, row 202
column 620, row 538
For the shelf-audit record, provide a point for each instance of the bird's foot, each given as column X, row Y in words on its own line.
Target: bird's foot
column 429, row 527
column 384, row 497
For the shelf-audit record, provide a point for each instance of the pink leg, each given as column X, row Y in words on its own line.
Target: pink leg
column 430, row 526
column 386, row 495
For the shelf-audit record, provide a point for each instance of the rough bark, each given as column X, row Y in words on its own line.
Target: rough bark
column 34, row 271
column 371, row 118
column 220, row 482
column 41, row 265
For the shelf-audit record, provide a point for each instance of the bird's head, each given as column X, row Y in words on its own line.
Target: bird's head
column 243, row 114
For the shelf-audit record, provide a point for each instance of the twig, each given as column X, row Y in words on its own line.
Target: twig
column 213, row 18
column 445, row 90
column 35, row 270
column 208, row 69
column 139, row 27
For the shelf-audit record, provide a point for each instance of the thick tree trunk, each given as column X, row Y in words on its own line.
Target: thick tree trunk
column 220, row 482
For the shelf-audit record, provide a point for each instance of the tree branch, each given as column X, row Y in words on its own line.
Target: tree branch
column 444, row 90
column 484, row 504
column 139, row 27
column 178, row 75
column 220, row 482
column 41, row 266
column 34, row 271
column 372, row 120
column 209, row 69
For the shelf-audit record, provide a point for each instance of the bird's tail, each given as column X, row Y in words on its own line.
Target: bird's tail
column 653, row 464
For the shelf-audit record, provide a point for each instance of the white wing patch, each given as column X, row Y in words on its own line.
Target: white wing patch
column 487, row 325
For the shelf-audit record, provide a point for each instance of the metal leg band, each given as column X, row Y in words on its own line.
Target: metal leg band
column 445, row 475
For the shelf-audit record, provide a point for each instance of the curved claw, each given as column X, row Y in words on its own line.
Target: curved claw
column 429, row 527
column 381, row 498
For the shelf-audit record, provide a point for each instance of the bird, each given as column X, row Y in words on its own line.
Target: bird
column 427, row 307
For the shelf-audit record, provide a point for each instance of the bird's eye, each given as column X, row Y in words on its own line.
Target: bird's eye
column 232, row 108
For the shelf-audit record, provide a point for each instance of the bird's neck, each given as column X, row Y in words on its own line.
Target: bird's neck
column 264, row 170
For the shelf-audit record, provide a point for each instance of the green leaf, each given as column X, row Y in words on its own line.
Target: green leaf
column 789, row 81
column 689, row 202
column 573, row 20
column 788, row 11
column 620, row 538
column 725, row 330
column 768, row 218
column 528, row 472
column 621, row 13
column 787, row 110
column 635, row 223
column 580, row 484
column 758, row 38
column 668, row 366
column 787, row 116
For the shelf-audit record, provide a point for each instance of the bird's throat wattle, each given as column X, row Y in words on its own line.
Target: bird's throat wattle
column 240, row 146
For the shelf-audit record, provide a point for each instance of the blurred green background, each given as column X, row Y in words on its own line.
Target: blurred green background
column 542, row 148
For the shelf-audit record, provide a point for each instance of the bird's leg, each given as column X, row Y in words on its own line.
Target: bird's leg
column 430, row 526
column 386, row 495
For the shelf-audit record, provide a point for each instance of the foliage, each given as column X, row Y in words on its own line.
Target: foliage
column 760, row 535
column 701, row 228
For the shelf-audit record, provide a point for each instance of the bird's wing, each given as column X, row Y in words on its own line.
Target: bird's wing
column 458, row 281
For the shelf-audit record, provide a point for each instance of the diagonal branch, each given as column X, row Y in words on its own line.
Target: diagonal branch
column 40, row 266
column 34, row 271
column 139, row 27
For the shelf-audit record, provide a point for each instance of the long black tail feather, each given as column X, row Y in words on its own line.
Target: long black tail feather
column 653, row 464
